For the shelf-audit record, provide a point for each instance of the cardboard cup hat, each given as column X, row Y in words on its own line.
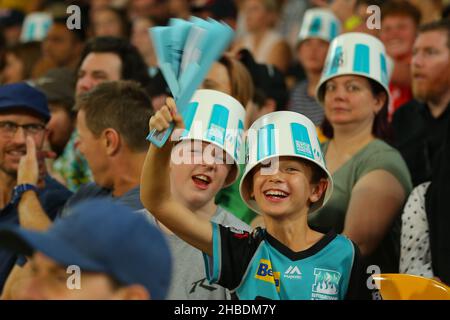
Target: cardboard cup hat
column 319, row 23
column 277, row 134
column 35, row 26
column 358, row 54
column 215, row 117
column 390, row 66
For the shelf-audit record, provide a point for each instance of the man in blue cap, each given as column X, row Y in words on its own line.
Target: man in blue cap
column 23, row 116
column 120, row 256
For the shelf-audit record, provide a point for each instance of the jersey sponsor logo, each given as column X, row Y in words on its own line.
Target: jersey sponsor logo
column 326, row 284
column 276, row 277
column 265, row 273
column 293, row 272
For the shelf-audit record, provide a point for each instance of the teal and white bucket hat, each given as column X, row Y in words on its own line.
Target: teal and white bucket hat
column 319, row 23
column 278, row 134
column 358, row 54
column 218, row 118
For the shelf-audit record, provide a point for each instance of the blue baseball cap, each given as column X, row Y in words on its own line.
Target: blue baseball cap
column 11, row 17
column 22, row 95
column 102, row 236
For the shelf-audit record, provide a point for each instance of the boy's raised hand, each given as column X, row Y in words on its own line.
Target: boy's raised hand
column 156, row 193
column 164, row 116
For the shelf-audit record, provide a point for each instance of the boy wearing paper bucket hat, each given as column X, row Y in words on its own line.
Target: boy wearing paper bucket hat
column 319, row 28
column 371, row 178
column 214, row 127
column 265, row 263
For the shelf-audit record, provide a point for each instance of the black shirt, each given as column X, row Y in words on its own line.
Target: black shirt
column 438, row 209
column 419, row 137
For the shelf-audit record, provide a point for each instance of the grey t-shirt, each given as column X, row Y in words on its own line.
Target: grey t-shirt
column 91, row 190
column 188, row 274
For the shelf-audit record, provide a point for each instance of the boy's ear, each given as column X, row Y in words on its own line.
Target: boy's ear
column 318, row 190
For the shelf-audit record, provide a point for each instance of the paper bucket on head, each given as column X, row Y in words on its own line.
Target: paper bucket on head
column 358, row 54
column 319, row 23
column 277, row 134
column 215, row 117
column 35, row 26
column 390, row 66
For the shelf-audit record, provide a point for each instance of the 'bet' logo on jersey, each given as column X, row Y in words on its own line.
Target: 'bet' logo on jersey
column 265, row 273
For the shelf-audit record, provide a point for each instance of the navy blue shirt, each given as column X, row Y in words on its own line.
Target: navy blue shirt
column 52, row 198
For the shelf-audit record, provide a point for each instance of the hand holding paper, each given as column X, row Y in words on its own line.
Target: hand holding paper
column 166, row 115
column 186, row 51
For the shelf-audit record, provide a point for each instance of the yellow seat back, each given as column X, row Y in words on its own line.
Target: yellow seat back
column 396, row 286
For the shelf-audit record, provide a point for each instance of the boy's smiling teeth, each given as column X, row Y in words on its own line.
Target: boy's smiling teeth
column 276, row 193
column 203, row 178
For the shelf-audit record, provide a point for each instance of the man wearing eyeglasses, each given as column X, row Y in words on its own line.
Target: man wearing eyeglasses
column 23, row 117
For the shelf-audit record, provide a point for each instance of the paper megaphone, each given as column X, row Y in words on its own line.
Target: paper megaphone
column 186, row 51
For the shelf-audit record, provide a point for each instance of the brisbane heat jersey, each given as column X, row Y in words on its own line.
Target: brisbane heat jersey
column 257, row 266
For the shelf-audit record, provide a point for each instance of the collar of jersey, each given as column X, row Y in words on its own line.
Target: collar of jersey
column 319, row 245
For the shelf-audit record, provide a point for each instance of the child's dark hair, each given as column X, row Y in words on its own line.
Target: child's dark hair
column 133, row 65
column 317, row 172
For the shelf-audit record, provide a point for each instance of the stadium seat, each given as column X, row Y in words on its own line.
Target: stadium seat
column 393, row 286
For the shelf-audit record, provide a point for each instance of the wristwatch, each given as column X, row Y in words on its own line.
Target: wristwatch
column 20, row 189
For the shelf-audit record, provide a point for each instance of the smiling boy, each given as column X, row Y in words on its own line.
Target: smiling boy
column 285, row 179
column 203, row 163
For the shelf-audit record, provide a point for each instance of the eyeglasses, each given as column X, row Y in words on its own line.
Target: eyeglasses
column 9, row 128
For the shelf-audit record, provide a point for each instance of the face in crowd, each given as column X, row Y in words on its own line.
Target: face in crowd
column 15, row 126
column 61, row 46
column 430, row 67
column 196, row 181
column 312, row 53
column 96, row 68
column 93, row 148
column 48, row 280
column 349, row 101
column 288, row 190
column 60, row 127
column 398, row 34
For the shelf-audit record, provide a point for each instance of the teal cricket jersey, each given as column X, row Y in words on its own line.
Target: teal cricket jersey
column 257, row 266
